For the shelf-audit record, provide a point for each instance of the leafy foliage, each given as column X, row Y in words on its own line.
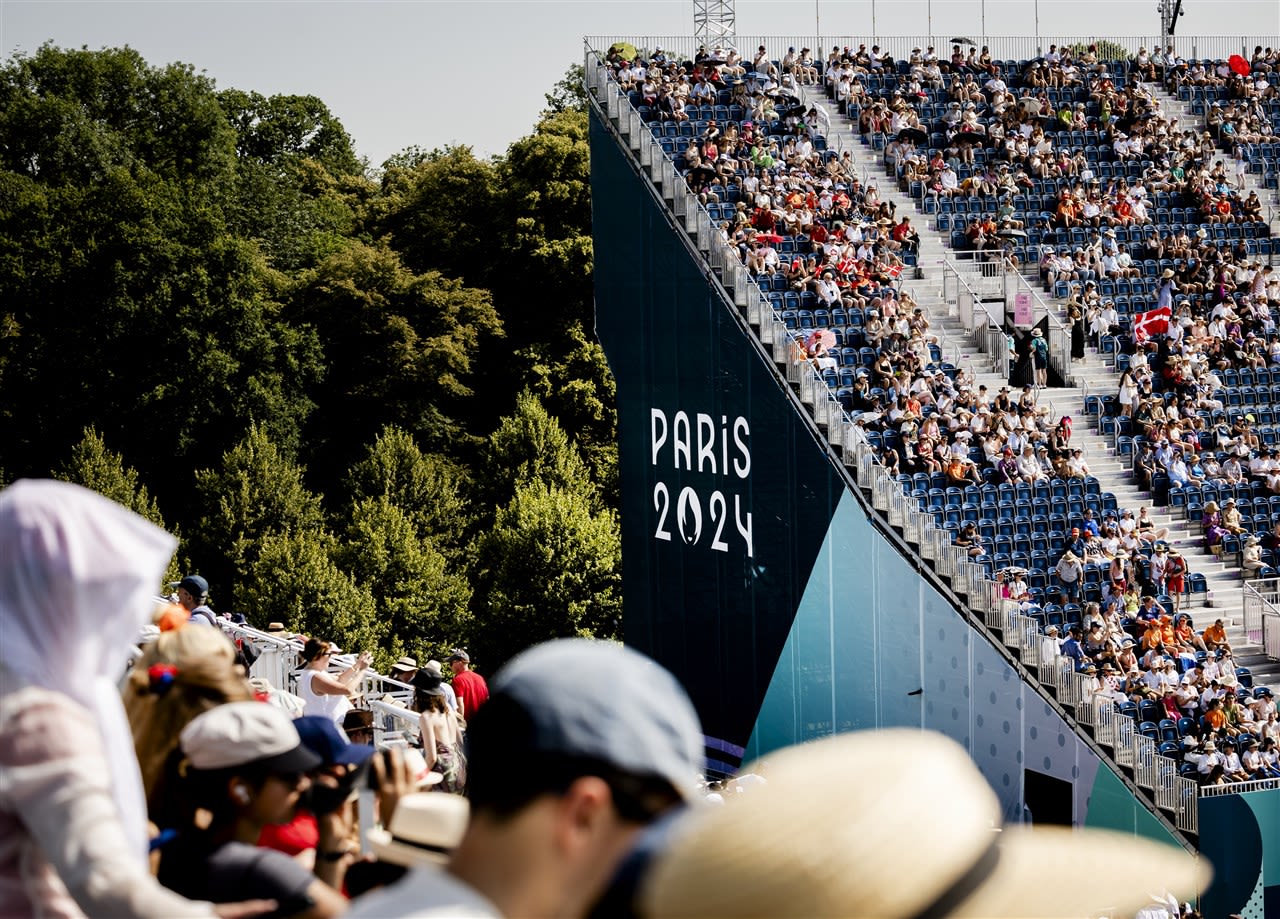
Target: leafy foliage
column 94, row 466
column 549, row 568
column 213, row 279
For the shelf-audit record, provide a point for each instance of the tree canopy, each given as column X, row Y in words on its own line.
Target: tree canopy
column 367, row 400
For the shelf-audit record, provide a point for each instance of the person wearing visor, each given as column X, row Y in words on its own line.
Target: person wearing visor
column 245, row 765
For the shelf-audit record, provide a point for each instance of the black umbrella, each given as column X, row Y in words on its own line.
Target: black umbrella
column 963, row 41
column 702, row 173
column 977, row 138
column 1009, row 231
column 915, row 135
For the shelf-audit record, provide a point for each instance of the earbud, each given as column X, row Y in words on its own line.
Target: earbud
column 241, row 794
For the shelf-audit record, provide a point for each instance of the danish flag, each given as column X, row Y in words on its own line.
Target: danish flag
column 1152, row 322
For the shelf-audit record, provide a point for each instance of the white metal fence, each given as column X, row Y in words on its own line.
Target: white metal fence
column 1002, row 47
column 1262, row 615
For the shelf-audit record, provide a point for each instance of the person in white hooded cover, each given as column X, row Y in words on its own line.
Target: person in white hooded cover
column 77, row 574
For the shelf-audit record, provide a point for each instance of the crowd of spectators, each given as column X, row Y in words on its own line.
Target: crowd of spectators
column 806, row 228
column 1180, row 684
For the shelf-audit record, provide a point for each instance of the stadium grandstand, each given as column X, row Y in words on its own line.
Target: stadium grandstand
column 949, row 396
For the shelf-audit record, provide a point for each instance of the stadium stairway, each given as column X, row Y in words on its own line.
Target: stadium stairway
column 1092, row 375
column 1270, row 197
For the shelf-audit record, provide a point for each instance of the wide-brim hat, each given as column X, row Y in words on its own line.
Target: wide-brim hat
column 1167, row 273
column 425, row 829
column 840, row 816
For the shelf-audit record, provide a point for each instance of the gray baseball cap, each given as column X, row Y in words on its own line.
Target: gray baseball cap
column 601, row 700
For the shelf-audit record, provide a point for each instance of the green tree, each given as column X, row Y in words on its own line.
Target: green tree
column 399, row 348
column 549, row 568
column 573, row 380
column 530, row 448
column 440, row 211
column 293, row 578
column 256, row 493
column 124, row 299
column 94, row 466
column 421, row 600
column 569, row 94
column 299, row 184
column 431, row 489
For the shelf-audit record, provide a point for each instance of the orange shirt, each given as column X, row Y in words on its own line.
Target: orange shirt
column 1215, row 719
column 1216, row 634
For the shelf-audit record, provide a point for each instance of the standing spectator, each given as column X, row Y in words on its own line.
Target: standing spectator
column 182, row 674
column 76, row 576
column 441, row 737
column 1070, row 575
column 605, row 742
column 193, row 594
column 323, row 693
column 471, row 689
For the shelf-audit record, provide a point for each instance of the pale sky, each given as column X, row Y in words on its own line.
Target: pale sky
column 434, row 72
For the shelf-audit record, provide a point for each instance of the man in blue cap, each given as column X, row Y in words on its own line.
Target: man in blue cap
column 193, row 594
column 581, row 745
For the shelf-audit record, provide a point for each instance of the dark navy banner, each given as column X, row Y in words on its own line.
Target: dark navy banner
column 726, row 498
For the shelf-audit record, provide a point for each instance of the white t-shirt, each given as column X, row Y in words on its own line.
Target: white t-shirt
column 424, row 893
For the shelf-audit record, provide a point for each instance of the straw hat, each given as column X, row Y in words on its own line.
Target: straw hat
column 425, row 829
column 844, row 823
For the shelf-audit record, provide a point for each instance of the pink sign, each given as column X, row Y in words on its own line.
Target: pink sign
column 1022, row 309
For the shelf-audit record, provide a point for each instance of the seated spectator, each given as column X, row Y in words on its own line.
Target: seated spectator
column 1215, row 637
column 1208, row 762
column 193, row 595
column 77, row 573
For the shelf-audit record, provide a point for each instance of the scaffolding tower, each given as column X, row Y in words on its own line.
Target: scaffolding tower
column 714, row 22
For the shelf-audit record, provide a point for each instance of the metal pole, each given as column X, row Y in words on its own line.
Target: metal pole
column 874, row 32
column 984, row 20
column 1037, row 28
column 817, row 25
column 931, row 19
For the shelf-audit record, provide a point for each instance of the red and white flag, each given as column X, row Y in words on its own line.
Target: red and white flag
column 1152, row 322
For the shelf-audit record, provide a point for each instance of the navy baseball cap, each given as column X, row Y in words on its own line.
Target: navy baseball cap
column 194, row 585
column 321, row 736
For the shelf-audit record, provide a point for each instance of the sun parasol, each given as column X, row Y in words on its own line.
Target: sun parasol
column 624, row 49
column 1239, row 65
column 915, row 135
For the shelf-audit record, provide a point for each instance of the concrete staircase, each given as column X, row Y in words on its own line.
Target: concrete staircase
column 1092, row 375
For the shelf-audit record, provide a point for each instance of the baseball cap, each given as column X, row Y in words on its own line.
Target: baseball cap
column 459, row 655
column 240, row 733
column 603, row 701
column 321, row 736
column 193, row 584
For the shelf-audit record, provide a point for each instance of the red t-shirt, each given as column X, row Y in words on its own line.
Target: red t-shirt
column 472, row 691
column 298, row 835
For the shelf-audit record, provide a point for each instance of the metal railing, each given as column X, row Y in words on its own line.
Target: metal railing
column 1235, row 788
column 1002, row 47
column 1262, row 614
column 1059, row 335
column 392, row 722
column 985, row 329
